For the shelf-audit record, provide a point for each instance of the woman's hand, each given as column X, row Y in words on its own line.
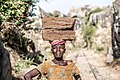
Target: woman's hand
column 31, row 74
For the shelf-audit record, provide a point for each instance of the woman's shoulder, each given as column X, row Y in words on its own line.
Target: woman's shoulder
column 70, row 62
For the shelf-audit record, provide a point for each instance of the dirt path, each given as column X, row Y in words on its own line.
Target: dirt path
column 92, row 66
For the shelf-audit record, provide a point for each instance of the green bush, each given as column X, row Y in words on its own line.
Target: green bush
column 99, row 49
column 16, row 11
column 22, row 64
column 27, row 62
column 88, row 31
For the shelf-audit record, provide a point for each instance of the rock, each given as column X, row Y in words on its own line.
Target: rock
column 5, row 65
column 115, row 29
column 109, row 57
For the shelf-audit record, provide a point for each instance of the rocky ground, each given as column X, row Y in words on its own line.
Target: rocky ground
column 93, row 66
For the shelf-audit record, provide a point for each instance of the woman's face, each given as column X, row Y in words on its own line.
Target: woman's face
column 58, row 50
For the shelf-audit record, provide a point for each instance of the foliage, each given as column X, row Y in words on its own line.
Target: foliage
column 22, row 64
column 38, row 58
column 56, row 13
column 88, row 31
column 16, row 11
column 96, row 10
column 13, row 19
column 14, row 39
column 27, row 62
column 99, row 48
column 50, row 14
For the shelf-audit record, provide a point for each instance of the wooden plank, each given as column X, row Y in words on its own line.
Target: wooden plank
column 54, row 34
column 58, row 23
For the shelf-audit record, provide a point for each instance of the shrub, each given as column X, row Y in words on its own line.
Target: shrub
column 22, row 64
column 88, row 31
column 99, row 49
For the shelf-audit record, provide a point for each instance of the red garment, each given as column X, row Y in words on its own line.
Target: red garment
column 56, row 42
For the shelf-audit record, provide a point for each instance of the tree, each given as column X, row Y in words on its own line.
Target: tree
column 13, row 18
column 16, row 11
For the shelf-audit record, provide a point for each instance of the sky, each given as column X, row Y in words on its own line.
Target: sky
column 64, row 5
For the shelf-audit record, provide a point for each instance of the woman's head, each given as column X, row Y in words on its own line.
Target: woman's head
column 58, row 48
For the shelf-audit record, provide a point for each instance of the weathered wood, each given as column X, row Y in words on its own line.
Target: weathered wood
column 54, row 34
column 58, row 23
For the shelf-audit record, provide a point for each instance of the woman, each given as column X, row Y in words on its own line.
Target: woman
column 58, row 68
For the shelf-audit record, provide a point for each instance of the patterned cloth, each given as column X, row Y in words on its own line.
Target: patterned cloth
column 56, row 42
column 55, row 72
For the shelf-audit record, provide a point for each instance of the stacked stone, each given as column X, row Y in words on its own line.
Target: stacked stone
column 58, row 28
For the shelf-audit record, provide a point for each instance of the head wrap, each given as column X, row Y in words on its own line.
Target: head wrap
column 56, row 42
